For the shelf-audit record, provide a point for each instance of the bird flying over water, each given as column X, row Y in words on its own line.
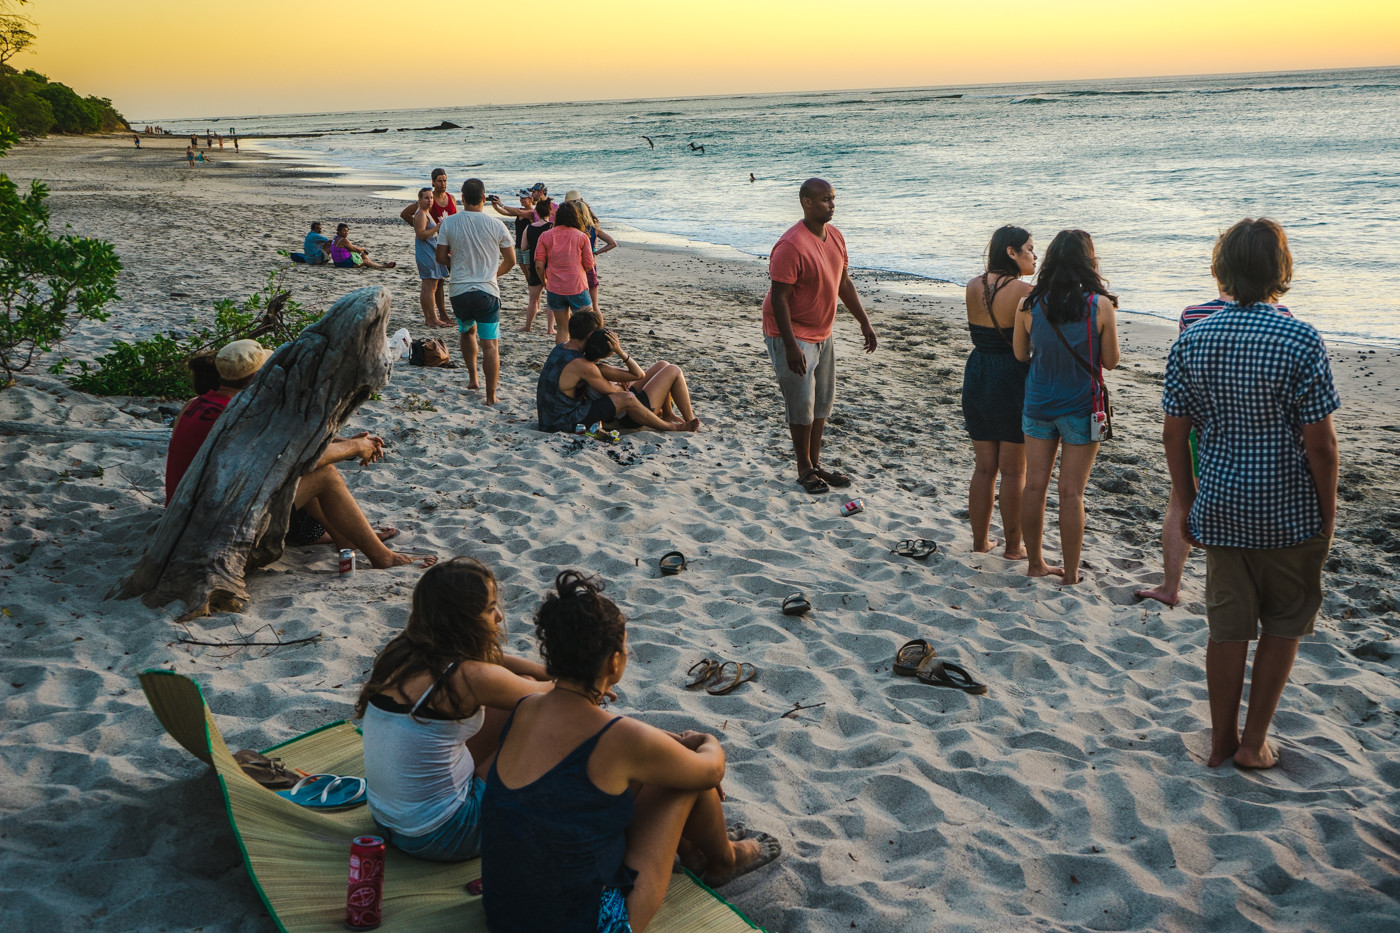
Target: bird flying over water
column 695, row 148
column 649, row 142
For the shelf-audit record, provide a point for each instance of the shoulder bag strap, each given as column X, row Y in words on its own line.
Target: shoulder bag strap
column 1094, row 377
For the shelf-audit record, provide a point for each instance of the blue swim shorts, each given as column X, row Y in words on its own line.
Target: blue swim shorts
column 457, row 840
column 1072, row 429
column 479, row 311
column 557, row 302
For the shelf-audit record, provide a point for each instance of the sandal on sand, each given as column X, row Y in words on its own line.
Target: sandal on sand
column 797, row 604
column 813, row 483
column 269, row 772
column 768, row 850
column 912, row 656
column 948, row 674
column 917, row 548
column 722, row 683
column 672, row 562
column 834, row 478
column 702, row 672
column 327, row 792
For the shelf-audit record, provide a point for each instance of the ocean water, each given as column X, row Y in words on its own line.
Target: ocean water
column 1153, row 168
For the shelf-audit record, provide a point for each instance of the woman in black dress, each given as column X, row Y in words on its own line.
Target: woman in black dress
column 994, row 388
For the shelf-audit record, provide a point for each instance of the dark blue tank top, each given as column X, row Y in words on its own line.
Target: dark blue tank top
column 556, row 411
column 549, row 849
column 1057, row 385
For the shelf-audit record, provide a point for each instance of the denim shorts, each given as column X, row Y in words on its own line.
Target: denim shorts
column 557, row 302
column 479, row 311
column 457, row 840
column 1072, row 429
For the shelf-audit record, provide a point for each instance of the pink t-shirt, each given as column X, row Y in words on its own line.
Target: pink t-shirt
column 813, row 268
column 569, row 256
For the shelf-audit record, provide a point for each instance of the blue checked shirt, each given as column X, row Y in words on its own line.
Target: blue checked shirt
column 1249, row 378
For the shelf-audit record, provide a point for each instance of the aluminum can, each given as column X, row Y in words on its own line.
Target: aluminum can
column 852, row 507
column 364, row 894
column 347, row 561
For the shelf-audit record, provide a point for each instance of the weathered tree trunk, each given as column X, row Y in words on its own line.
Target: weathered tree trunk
column 231, row 510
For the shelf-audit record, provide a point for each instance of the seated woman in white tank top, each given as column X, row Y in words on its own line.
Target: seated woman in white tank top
column 432, row 712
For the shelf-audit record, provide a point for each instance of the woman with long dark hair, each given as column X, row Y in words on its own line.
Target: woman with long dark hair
column 994, row 385
column 1067, row 328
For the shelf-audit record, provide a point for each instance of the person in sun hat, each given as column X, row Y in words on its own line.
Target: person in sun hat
column 323, row 503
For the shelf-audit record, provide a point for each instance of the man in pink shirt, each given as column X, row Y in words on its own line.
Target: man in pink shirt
column 808, row 269
column 563, row 257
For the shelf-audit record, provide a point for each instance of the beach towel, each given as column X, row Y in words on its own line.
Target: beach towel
column 299, row 858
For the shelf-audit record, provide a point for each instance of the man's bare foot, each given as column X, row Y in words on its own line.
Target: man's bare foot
column 1070, row 579
column 1016, row 553
column 1044, row 570
column 1265, row 757
column 398, row 560
column 445, row 322
column 474, row 386
column 1161, row 594
column 984, row 547
column 523, row 330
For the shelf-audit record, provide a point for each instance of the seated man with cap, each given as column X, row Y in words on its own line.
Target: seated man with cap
column 322, row 498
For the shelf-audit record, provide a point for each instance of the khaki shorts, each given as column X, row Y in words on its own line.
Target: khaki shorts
column 1276, row 590
column 808, row 397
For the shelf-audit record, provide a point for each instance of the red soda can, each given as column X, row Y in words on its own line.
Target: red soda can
column 347, row 561
column 852, row 507
column 364, row 895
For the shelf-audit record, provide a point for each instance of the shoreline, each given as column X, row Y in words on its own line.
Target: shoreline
column 1073, row 796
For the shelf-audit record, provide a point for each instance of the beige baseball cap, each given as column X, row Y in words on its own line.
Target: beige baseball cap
column 572, row 195
column 241, row 359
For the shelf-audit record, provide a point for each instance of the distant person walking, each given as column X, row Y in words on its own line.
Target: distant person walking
column 431, row 273
column 563, row 256
column 808, row 271
column 994, row 389
column 136, row 137
column 1067, row 328
column 1257, row 387
column 478, row 249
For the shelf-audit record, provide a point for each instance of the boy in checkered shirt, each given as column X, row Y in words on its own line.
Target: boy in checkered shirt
column 1257, row 387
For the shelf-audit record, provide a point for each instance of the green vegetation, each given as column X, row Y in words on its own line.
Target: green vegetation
column 32, row 104
column 157, row 366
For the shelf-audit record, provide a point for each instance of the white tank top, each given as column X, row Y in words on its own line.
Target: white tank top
column 418, row 770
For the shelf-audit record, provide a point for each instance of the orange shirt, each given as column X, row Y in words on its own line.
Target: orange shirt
column 813, row 268
column 567, row 254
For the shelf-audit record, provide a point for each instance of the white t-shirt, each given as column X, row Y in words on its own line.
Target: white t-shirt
column 476, row 241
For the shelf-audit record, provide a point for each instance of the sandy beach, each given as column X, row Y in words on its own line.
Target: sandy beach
column 1073, row 796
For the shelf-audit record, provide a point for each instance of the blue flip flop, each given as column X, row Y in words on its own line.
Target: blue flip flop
column 327, row 792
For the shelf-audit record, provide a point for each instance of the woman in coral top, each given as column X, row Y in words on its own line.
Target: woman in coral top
column 563, row 258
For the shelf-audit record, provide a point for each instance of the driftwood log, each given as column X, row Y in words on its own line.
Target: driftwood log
column 231, row 510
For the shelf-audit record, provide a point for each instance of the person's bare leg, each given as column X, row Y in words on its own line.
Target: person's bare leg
column 491, row 367
column 444, row 310
column 1040, row 462
column 628, row 404
column 1225, row 661
column 344, row 520
column 814, row 442
column 1011, row 463
column 468, row 342
column 981, row 491
column 668, row 382
column 660, row 818
column 532, row 307
column 561, row 326
column 1076, row 460
column 1175, row 550
column 801, row 444
column 1273, row 662
column 427, row 290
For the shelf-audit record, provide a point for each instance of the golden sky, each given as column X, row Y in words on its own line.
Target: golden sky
column 172, row 58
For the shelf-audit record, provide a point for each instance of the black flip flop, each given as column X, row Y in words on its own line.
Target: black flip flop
column 917, row 548
column 912, row 656
column 269, row 772
column 722, row 684
column 813, row 483
column 796, row 605
column 672, row 562
column 948, row 674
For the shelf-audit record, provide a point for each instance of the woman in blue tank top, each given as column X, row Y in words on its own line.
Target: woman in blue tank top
column 584, row 812
column 1066, row 327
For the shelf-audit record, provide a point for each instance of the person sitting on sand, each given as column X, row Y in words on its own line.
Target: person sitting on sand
column 316, row 247
column 1069, row 297
column 562, row 396
column 346, row 255
column 563, row 256
column 322, row 498
column 432, row 709
column 585, row 812
column 656, row 387
column 994, row 389
column 1258, row 387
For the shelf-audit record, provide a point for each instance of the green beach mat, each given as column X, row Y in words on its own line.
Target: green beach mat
column 299, row 858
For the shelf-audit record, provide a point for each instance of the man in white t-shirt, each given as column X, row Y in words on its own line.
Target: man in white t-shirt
column 478, row 249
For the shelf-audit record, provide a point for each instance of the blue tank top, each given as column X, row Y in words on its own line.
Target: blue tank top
column 1057, row 385
column 556, row 411
column 550, row 849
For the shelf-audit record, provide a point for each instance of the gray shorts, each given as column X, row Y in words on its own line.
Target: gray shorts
column 809, row 396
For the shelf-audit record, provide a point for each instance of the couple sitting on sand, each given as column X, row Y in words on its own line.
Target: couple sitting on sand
column 577, row 815
column 576, row 388
column 324, row 511
column 319, row 249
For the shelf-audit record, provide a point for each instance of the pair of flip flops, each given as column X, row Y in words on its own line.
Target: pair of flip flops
column 327, row 792
column 269, row 772
column 797, row 604
column 672, row 563
column 918, row 659
column 917, row 548
column 720, row 677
